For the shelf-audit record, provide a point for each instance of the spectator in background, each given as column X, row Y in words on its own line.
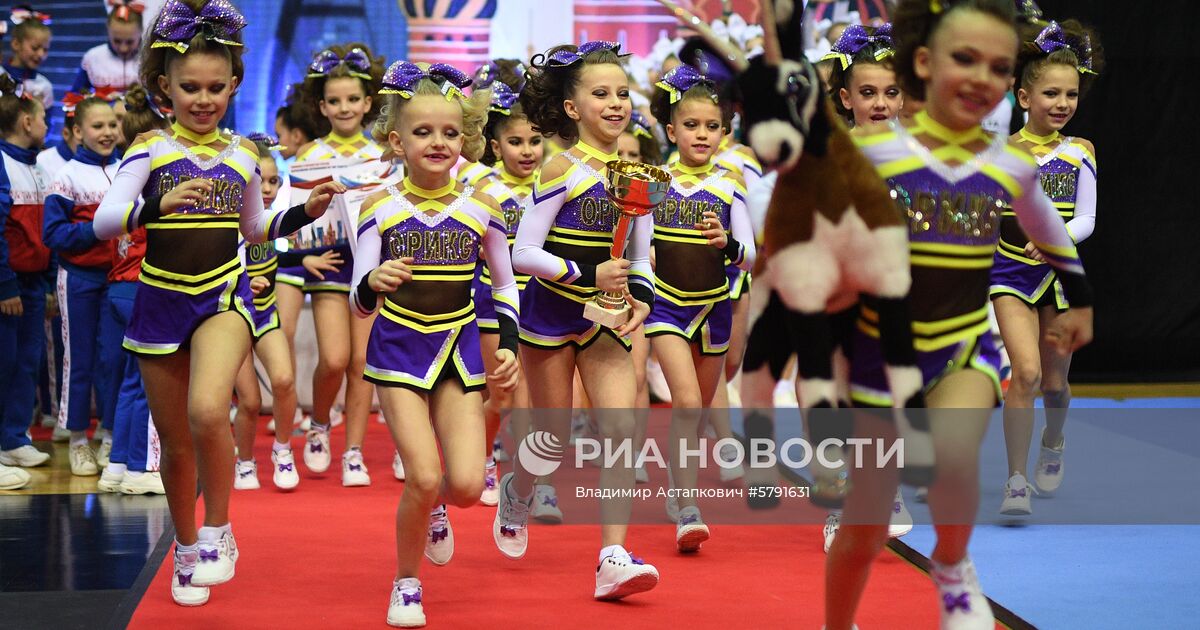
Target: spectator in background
column 114, row 65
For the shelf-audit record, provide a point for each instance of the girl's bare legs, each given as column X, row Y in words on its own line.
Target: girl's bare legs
column 1019, row 328
column 359, row 392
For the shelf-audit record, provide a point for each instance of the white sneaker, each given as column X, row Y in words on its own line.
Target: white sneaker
column 83, row 461
column 673, row 508
column 405, row 610
column 182, row 590
column 491, row 494
column 510, row 527
column 145, row 483
column 336, row 417
column 545, row 505
column 621, row 574
column 1048, row 474
column 439, row 543
column 305, row 423
column 316, row 451
column 25, row 456
column 640, row 475
column 271, row 426
column 245, row 475
column 397, row 467
column 285, row 476
column 498, row 452
column 1017, row 492
column 690, row 532
column 963, row 605
column 218, row 557
column 902, row 520
column 832, row 523
column 110, row 481
column 48, row 421
column 921, row 495
column 728, row 453
column 354, row 471
column 103, row 453
column 12, row 478
column 60, row 435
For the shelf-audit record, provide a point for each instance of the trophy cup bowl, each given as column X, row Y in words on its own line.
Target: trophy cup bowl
column 635, row 189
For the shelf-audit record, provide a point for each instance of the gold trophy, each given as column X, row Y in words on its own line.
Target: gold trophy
column 635, row 189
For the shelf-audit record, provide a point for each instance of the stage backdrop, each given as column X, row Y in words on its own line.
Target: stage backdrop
column 1143, row 258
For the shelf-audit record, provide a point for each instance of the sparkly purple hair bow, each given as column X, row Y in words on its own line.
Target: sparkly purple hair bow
column 271, row 142
column 485, row 76
column 217, row 21
column 357, row 60
column 681, row 79
column 503, row 98
column 403, row 77
column 856, row 38
column 1052, row 38
column 564, row 58
column 639, row 126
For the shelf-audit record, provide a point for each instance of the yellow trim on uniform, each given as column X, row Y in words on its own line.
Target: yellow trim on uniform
column 876, row 138
column 162, row 279
column 1004, row 179
column 427, row 323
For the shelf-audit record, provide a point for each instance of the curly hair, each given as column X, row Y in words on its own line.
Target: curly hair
column 1032, row 61
column 12, row 107
column 916, row 22
column 156, row 62
column 139, row 117
column 497, row 122
column 308, row 94
column 510, row 72
column 549, row 85
column 294, row 116
column 474, row 109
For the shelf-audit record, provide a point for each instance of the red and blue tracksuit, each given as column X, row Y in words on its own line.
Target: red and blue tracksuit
column 91, row 335
column 24, row 260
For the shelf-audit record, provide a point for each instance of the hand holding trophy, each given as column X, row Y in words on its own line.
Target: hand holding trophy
column 635, row 189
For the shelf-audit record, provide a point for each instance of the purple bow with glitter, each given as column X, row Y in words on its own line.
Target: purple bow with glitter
column 490, row 482
column 681, row 79
column 208, row 554
column 1053, row 38
column 325, row 61
column 354, row 467
column 961, row 601
column 403, row 77
column 1053, row 468
column 856, row 38
column 503, row 98
column 264, row 138
column 688, row 519
column 185, row 579
column 286, row 467
column 506, row 530
column 315, row 447
column 217, row 21
column 636, row 560
column 485, row 76
column 1017, row 493
column 552, row 501
column 564, row 58
column 414, row 598
column 438, row 535
column 639, row 126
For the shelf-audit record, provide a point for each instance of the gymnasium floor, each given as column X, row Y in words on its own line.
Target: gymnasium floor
column 1115, row 549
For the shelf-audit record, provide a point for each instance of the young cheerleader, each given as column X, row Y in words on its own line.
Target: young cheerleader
column 91, row 335
column 864, row 90
column 514, row 151
column 1055, row 67
column 564, row 240
column 114, row 65
column 271, row 347
column 133, row 466
column 194, row 188
column 690, row 328
column 419, row 244
column 30, row 45
column 951, row 180
column 23, row 264
column 340, row 87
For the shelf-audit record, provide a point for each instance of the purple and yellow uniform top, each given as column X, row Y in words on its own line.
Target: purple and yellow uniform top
column 954, row 216
column 1067, row 173
column 335, row 146
column 428, row 324
column 192, row 252
column 515, row 196
column 563, row 238
column 471, row 173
